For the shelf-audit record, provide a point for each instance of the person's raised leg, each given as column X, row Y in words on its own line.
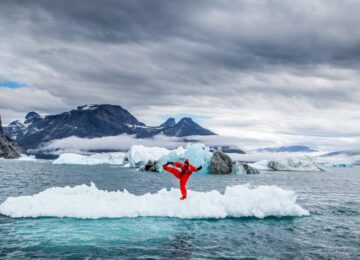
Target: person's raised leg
column 173, row 171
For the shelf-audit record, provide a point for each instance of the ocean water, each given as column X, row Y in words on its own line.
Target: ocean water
column 331, row 231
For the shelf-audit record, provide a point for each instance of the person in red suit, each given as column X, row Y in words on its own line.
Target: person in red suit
column 182, row 171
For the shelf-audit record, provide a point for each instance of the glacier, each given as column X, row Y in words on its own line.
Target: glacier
column 116, row 158
column 89, row 202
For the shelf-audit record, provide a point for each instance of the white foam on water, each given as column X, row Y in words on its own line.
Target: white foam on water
column 88, row 202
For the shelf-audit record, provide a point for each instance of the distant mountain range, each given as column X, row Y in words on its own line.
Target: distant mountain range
column 289, row 149
column 341, row 153
column 91, row 121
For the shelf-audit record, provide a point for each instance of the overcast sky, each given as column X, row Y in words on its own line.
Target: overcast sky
column 268, row 72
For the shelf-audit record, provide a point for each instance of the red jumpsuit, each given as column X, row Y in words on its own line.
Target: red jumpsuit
column 182, row 175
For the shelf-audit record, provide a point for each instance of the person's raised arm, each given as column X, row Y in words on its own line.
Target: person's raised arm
column 194, row 168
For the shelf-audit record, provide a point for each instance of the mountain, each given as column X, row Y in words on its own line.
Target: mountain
column 169, row 123
column 186, row 127
column 91, row 121
column 32, row 117
column 342, row 153
column 9, row 149
column 15, row 130
column 289, row 149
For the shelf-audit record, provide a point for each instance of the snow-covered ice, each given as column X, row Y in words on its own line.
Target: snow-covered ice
column 116, row 158
column 88, row 202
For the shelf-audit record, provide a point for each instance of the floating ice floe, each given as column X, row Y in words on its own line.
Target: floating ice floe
column 94, row 159
column 88, row 202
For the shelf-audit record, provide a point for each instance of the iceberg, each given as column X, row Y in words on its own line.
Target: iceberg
column 304, row 163
column 172, row 156
column 139, row 155
column 117, row 158
column 244, row 168
column 198, row 154
column 261, row 165
column 88, row 202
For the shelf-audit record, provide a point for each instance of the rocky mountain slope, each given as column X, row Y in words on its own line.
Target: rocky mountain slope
column 91, row 121
column 8, row 148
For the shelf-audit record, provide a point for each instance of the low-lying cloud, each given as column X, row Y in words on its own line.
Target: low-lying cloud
column 124, row 142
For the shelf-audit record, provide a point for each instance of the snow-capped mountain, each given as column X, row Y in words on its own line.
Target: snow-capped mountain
column 170, row 122
column 186, row 127
column 16, row 129
column 91, row 121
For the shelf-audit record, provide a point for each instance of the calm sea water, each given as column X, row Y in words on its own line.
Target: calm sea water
column 332, row 231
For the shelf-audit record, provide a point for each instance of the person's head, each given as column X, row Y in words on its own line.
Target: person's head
column 186, row 162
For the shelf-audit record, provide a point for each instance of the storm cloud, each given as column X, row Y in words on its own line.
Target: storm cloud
column 273, row 71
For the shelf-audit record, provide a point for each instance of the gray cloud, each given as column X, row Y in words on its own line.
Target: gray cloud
column 257, row 69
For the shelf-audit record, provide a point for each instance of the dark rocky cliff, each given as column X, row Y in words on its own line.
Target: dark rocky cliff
column 9, row 149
